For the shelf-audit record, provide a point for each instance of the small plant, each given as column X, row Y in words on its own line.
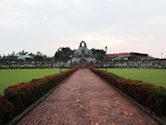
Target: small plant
column 6, row 109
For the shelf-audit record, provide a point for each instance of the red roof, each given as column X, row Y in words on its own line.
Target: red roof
column 118, row 54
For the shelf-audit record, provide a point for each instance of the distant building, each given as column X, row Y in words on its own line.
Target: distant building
column 135, row 60
column 127, row 56
column 83, row 56
column 24, row 57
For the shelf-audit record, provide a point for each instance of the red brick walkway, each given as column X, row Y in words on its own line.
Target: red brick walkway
column 85, row 99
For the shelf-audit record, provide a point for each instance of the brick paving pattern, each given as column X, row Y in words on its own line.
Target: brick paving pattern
column 85, row 99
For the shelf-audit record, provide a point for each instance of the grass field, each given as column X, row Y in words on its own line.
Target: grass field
column 13, row 76
column 153, row 76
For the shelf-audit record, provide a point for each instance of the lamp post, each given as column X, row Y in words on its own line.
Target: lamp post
column 161, row 55
column 106, row 56
column 70, row 60
column 60, row 49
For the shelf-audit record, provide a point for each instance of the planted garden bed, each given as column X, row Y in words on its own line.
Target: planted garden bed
column 18, row 97
column 148, row 95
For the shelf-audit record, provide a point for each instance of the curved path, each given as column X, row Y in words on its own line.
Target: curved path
column 85, row 99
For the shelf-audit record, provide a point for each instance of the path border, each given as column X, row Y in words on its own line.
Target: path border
column 20, row 116
column 142, row 108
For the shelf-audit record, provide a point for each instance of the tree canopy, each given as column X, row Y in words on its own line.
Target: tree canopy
column 63, row 54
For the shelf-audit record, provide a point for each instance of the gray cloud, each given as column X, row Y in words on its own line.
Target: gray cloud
column 123, row 26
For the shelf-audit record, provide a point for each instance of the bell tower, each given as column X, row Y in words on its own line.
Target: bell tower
column 83, row 44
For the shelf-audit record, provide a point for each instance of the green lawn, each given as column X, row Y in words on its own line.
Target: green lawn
column 13, row 76
column 153, row 76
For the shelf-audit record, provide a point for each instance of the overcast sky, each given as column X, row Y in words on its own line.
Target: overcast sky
column 45, row 25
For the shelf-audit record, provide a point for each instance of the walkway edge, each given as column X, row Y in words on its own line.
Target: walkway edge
column 20, row 116
column 144, row 109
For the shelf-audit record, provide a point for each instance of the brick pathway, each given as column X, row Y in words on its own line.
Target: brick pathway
column 85, row 99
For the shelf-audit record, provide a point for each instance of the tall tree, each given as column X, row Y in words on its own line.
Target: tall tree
column 63, row 54
column 98, row 54
column 23, row 52
column 12, row 56
column 39, row 56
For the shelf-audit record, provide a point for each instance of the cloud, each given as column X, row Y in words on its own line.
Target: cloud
column 158, row 21
column 45, row 25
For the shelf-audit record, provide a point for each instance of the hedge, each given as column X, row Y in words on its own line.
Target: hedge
column 148, row 95
column 18, row 97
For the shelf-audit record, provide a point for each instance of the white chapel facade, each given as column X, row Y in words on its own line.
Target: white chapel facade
column 83, row 56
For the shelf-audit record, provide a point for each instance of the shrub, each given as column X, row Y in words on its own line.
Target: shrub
column 6, row 109
column 19, row 97
column 148, row 95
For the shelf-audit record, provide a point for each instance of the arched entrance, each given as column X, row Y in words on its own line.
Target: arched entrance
column 83, row 63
